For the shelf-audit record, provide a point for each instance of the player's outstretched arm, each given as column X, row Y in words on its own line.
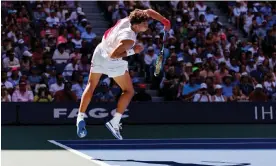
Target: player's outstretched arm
column 124, row 49
column 155, row 15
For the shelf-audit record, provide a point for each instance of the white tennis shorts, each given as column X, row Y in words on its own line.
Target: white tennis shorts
column 102, row 64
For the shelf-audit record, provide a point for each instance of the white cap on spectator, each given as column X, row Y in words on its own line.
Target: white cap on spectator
column 209, row 55
column 185, row 11
column 259, row 86
column 171, row 37
column 244, row 74
column 150, row 48
column 172, row 47
column 27, row 53
column 84, row 20
column 81, row 13
column 218, row 86
column 189, row 64
column 20, row 41
column 157, row 36
column 149, row 36
column 144, row 36
column 198, row 60
column 203, row 85
column 178, row 19
column 38, row 6
column 180, row 59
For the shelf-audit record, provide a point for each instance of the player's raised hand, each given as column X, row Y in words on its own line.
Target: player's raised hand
column 138, row 48
column 166, row 23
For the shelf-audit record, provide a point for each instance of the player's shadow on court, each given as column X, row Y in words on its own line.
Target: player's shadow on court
column 171, row 163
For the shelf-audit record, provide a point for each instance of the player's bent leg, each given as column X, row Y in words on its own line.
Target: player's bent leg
column 125, row 83
column 85, row 100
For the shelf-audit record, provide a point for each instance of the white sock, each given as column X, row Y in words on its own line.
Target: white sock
column 116, row 119
column 81, row 116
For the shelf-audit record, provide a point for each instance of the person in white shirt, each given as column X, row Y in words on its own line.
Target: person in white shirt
column 270, row 84
column 248, row 21
column 218, row 97
column 52, row 19
column 10, row 61
column 60, row 55
column 59, row 85
column 201, row 7
column 149, row 58
column 272, row 61
column 70, row 67
column 117, row 42
column 22, row 94
column 237, row 13
column 202, row 95
column 4, row 81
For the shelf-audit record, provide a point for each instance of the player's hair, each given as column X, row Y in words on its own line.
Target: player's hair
column 138, row 16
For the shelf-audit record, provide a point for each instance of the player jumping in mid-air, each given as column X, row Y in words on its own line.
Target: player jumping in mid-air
column 117, row 42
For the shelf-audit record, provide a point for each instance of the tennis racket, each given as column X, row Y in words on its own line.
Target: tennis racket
column 159, row 60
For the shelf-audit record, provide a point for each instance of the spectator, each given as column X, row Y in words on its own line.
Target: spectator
column 15, row 77
column 52, row 20
column 5, row 96
column 258, row 95
column 237, row 95
column 142, row 95
column 10, row 61
column 43, row 94
column 119, row 14
column 60, row 55
column 79, row 87
column 218, row 97
column 149, row 60
column 70, row 67
column 202, row 95
column 88, row 35
column 4, row 81
column 227, row 87
column 22, row 94
column 190, row 89
column 66, row 94
column 105, row 95
column 59, row 85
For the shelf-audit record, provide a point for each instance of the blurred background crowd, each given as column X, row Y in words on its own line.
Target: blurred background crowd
column 47, row 46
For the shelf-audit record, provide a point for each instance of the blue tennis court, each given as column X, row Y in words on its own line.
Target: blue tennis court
column 176, row 152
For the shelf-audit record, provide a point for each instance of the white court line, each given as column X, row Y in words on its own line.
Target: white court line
column 218, row 143
column 166, row 139
column 100, row 163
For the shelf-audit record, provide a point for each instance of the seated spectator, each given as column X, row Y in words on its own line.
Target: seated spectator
column 119, row 14
column 52, row 20
column 69, row 68
column 237, row 95
column 105, row 96
column 15, row 77
column 5, row 96
column 59, row 85
column 60, row 55
column 77, row 40
column 149, row 60
column 66, row 94
column 227, row 86
column 4, row 81
column 218, row 97
column 270, row 84
column 88, row 35
column 221, row 72
column 79, row 87
column 35, row 77
column 258, row 94
column 43, row 94
column 190, row 89
column 141, row 95
column 22, row 94
column 10, row 61
column 202, row 95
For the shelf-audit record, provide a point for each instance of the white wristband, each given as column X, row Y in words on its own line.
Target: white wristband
column 130, row 52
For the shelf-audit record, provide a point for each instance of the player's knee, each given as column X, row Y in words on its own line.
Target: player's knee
column 130, row 92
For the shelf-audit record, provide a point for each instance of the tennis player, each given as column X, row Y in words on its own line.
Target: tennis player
column 117, row 42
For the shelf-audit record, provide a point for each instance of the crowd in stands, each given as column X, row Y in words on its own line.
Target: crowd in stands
column 47, row 47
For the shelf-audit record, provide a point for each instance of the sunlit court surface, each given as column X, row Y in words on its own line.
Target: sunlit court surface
column 149, row 145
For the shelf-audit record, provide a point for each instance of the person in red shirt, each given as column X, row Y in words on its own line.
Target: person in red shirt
column 65, row 95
